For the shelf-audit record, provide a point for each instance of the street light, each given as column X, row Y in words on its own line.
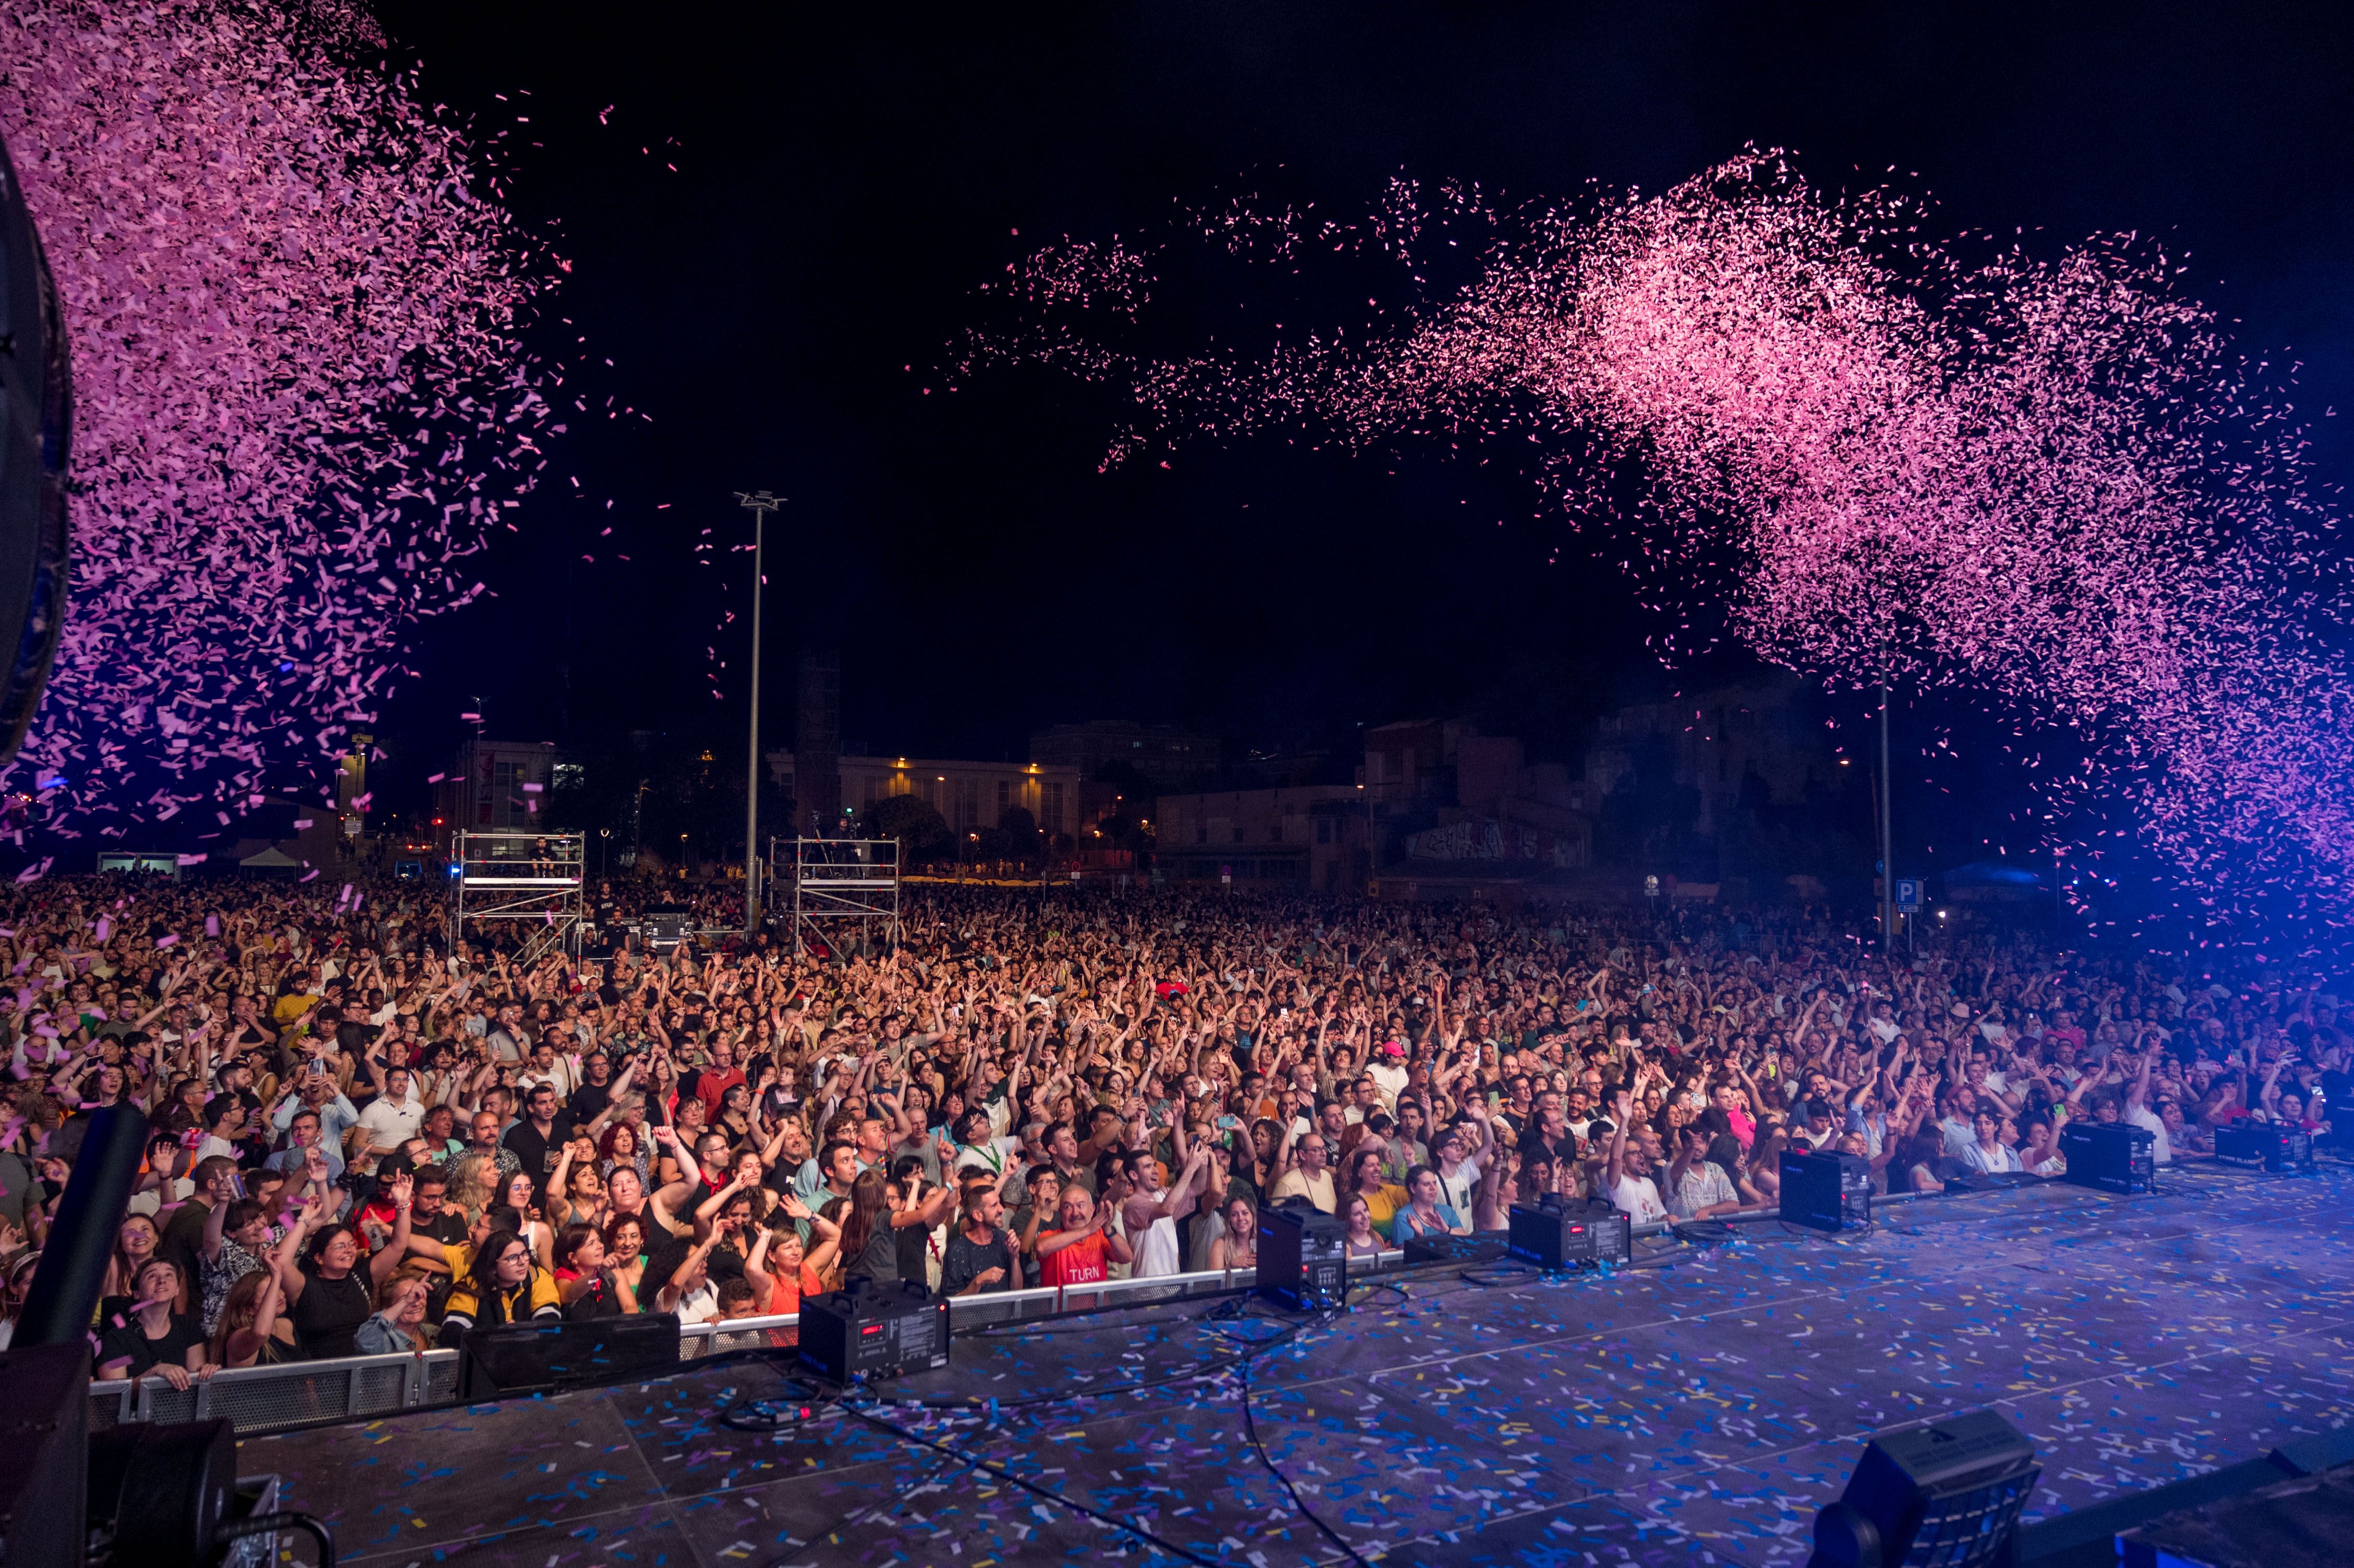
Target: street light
column 1369, row 835
column 759, row 503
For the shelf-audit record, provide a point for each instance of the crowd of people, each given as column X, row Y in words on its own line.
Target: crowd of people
column 361, row 1142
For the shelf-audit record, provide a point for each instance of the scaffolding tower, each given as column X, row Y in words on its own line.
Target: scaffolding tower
column 841, row 890
column 536, row 879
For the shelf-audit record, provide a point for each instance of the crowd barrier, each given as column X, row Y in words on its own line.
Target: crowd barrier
column 264, row 1399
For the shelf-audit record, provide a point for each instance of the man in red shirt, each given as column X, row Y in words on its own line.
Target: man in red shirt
column 1080, row 1252
column 720, row 1076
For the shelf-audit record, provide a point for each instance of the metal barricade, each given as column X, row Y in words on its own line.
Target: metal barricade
column 274, row 1398
column 268, row 1398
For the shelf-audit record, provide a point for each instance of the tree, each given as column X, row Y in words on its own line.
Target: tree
column 920, row 829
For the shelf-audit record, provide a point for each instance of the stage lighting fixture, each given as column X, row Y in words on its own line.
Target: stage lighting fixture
column 1303, row 1256
column 2110, row 1156
column 874, row 1327
column 36, row 439
column 1553, row 1234
column 1825, row 1192
column 1944, row 1495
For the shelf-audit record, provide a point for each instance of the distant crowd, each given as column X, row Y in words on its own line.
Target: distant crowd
column 359, row 1142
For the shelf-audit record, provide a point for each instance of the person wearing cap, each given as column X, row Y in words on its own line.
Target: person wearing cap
column 1388, row 1071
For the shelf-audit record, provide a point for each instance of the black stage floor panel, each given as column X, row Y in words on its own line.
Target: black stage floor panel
column 1696, row 1410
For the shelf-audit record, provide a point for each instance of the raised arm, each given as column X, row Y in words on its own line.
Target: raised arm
column 384, row 1258
column 1615, row 1165
column 755, row 1273
column 1182, row 1197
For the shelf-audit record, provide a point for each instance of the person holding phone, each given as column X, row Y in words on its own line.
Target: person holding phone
column 308, row 1156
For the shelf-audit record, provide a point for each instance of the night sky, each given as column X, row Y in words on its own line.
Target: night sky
column 844, row 180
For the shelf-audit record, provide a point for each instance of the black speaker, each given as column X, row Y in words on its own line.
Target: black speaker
column 1570, row 1236
column 36, row 437
column 1825, row 1192
column 2265, row 1145
column 1948, row 1493
column 43, row 1431
column 1303, row 1256
column 873, row 1328
column 549, row 1353
column 2112, row 1156
column 157, row 1494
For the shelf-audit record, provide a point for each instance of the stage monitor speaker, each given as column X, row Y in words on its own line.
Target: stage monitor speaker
column 2111, row 1156
column 1303, row 1256
column 873, row 1328
column 1825, row 1192
column 2265, row 1145
column 547, row 1354
column 36, row 439
column 44, row 1431
column 1947, row 1492
column 158, row 1494
column 1552, row 1234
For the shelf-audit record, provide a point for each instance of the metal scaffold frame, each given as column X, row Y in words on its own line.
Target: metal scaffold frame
column 834, row 883
column 534, row 877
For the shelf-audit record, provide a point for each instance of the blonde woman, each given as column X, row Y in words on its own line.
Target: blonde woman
column 473, row 1179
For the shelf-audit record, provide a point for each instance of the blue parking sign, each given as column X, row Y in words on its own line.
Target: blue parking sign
column 1908, row 892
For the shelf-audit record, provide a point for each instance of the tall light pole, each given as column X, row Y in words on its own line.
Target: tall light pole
column 759, row 503
column 1887, row 831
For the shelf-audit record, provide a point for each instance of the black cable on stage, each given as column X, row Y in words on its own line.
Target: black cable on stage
column 737, row 1417
column 1002, row 1474
column 1258, row 1446
column 873, row 1512
column 225, row 1535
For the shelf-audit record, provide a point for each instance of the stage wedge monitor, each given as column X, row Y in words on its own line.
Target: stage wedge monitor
column 36, row 432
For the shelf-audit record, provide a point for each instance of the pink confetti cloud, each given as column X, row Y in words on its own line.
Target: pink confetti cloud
column 295, row 306
column 2048, row 480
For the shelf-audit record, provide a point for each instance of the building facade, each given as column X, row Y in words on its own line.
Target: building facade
column 1170, row 757
column 970, row 796
column 1308, row 839
column 1765, row 738
column 494, row 786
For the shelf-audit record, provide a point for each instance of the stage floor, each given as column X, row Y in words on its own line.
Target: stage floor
column 1693, row 1412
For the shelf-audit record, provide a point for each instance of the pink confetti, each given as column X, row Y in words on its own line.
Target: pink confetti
column 301, row 399
column 2048, row 482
